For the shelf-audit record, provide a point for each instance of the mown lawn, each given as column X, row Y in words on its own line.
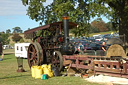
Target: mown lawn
column 7, row 51
column 108, row 32
column 9, row 75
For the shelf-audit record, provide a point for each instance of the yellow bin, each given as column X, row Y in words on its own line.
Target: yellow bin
column 36, row 71
column 47, row 71
column 33, row 71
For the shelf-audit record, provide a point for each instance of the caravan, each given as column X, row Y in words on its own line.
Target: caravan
column 21, row 49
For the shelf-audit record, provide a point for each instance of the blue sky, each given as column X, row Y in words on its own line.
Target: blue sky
column 13, row 14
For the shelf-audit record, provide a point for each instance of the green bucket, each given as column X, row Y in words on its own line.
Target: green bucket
column 44, row 76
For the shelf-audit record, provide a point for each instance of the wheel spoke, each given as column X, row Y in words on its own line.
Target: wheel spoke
column 33, row 47
column 31, row 58
column 30, row 51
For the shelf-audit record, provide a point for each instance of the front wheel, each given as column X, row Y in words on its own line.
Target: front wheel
column 57, row 60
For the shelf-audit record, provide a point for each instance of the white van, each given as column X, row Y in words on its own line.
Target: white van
column 7, row 47
column 21, row 49
column 98, row 37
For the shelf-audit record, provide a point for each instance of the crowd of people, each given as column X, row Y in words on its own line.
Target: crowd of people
column 81, row 49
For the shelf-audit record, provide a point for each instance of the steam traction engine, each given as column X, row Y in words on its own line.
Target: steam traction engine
column 50, row 43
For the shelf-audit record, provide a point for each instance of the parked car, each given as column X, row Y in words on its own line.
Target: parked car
column 98, row 38
column 93, row 46
column 7, row 47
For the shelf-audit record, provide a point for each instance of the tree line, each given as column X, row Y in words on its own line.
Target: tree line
column 96, row 26
column 15, row 30
column 4, row 36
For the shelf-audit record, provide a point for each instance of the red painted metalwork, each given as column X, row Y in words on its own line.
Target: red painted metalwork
column 100, row 64
column 71, row 25
column 78, row 63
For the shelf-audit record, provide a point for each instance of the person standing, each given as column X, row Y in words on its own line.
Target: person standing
column 103, row 48
column 1, row 52
column 81, row 47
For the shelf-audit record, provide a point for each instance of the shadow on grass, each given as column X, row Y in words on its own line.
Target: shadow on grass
column 8, row 53
column 14, row 76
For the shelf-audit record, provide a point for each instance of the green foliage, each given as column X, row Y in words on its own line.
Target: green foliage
column 36, row 9
column 99, row 24
column 21, row 40
column 8, row 31
column 4, row 38
column 17, row 30
column 16, row 37
column 75, row 31
column 93, row 29
column 110, row 27
column 39, row 33
column 114, row 10
column 54, row 11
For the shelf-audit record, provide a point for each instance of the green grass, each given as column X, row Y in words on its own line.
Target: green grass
column 10, row 76
column 109, row 32
column 5, row 51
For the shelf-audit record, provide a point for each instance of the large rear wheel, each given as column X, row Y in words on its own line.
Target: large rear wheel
column 35, row 54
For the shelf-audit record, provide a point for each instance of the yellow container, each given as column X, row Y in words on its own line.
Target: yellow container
column 33, row 71
column 49, row 66
column 44, row 66
column 36, row 71
column 46, row 70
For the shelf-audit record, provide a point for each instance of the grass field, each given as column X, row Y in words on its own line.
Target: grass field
column 8, row 51
column 9, row 76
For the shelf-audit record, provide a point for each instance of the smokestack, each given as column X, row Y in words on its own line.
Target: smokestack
column 66, row 27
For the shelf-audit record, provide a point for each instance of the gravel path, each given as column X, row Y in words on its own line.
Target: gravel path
column 108, row 80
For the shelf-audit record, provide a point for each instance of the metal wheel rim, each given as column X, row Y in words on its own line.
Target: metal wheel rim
column 57, row 60
column 34, row 54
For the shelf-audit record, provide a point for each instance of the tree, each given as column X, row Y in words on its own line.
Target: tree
column 116, row 10
column 93, row 29
column 111, row 28
column 16, row 37
column 8, row 31
column 4, row 38
column 75, row 31
column 21, row 40
column 99, row 24
column 17, row 30
column 54, row 11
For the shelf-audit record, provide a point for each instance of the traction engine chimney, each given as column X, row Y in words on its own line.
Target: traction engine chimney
column 66, row 27
column 67, row 48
